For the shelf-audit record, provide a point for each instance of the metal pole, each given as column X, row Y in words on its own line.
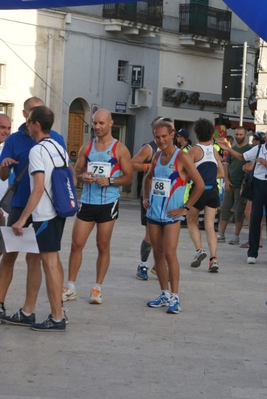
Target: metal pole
column 243, row 82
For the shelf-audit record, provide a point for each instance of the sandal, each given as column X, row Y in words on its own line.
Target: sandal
column 245, row 245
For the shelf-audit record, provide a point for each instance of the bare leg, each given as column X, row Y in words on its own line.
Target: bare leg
column 53, row 274
column 195, row 235
column 33, row 282
column 156, row 236
column 103, row 237
column 209, row 216
column 80, row 233
column 6, row 272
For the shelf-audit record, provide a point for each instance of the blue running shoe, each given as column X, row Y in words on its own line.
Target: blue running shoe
column 141, row 273
column 19, row 319
column 174, row 305
column 50, row 325
column 161, row 300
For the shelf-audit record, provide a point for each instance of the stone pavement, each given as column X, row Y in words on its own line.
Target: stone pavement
column 214, row 349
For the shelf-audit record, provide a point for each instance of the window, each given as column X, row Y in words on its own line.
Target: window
column 121, row 70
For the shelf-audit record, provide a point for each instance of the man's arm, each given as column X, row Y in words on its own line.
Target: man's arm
column 4, row 169
column 124, row 159
column 147, row 181
column 226, row 146
column 38, row 189
column 81, row 174
column 138, row 161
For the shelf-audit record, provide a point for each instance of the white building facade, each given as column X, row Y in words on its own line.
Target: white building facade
column 138, row 60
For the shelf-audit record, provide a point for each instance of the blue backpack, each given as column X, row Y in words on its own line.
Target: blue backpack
column 64, row 198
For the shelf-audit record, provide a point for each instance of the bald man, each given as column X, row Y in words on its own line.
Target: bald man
column 103, row 165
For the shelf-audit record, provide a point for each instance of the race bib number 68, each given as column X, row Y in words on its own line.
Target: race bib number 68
column 161, row 187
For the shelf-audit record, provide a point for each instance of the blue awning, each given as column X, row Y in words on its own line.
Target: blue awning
column 253, row 13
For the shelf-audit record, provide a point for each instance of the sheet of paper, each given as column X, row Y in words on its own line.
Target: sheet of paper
column 25, row 243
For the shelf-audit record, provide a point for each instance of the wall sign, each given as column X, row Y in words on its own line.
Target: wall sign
column 192, row 100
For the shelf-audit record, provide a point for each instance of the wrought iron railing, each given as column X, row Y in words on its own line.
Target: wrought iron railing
column 151, row 15
column 205, row 21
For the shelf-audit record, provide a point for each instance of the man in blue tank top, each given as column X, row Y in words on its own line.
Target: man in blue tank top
column 164, row 187
column 103, row 165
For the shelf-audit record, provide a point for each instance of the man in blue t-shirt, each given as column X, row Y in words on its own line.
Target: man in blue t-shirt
column 15, row 155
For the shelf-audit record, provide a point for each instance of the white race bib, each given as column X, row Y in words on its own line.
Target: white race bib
column 99, row 169
column 161, row 187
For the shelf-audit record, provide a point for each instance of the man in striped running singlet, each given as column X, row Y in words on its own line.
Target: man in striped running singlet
column 103, row 165
column 164, row 187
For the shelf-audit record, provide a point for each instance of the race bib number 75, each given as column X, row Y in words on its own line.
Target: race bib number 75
column 99, row 169
column 161, row 187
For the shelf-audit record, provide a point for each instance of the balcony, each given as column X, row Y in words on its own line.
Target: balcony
column 134, row 18
column 203, row 26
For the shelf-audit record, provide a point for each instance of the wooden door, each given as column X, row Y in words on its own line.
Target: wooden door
column 75, row 131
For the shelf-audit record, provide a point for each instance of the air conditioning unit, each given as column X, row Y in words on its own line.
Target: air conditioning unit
column 142, row 98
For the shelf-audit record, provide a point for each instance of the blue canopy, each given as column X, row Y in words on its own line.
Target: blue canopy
column 33, row 4
column 253, row 13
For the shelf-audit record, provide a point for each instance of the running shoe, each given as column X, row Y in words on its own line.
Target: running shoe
column 174, row 305
column 141, row 273
column 199, row 256
column 64, row 310
column 95, row 296
column 2, row 310
column 213, row 265
column 234, row 240
column 68, row 294
column 153, row 270
column 251, row 260
column 19, row 319
column 220, row 237
column 50, row 325
column 161, row 300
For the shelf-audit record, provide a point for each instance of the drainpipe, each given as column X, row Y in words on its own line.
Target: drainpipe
column 49, row 70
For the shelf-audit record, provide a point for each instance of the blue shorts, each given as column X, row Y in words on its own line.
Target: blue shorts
column 151, row 221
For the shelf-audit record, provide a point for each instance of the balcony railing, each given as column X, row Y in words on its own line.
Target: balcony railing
column 205, row 21
column 152, row 15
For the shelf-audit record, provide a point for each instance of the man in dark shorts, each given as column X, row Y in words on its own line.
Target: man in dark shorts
column 103, row 165
column 47, row 224
column 208, row 163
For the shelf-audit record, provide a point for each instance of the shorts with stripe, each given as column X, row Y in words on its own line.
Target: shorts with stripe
column 99, row 213
column 49, row 234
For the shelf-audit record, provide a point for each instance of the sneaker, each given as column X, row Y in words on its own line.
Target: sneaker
column 19, row 319
column 153, row 270
column 64, row 310
column 49, row 325
column 141, row 273
column 95, row 296
column 2, row 310
column 68, row 295
column 161, row 300
column 174, row 305
column 213, row 265
column 199, row 256
column 220, row 237
column 234, row 240
column 251, row 260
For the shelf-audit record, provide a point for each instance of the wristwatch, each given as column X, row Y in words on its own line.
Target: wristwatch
column 185, row 207
column 111, row 180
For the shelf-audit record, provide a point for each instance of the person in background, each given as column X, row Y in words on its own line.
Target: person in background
column 233, row 175
column 258, row 138
column 208, row 162
column 5, row 130
column 259, row 199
